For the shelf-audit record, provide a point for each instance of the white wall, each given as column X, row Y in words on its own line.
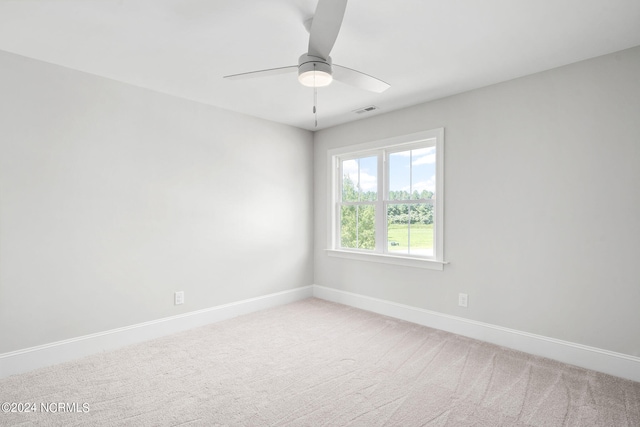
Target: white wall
column 542, row 211
column 113, row 197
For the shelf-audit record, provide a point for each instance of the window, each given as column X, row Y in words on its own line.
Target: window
column 387, row 200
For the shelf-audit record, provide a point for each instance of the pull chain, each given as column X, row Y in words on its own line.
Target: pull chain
column 315, row 103
column 315, row 96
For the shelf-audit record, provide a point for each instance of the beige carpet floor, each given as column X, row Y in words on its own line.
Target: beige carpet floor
column 316, row 363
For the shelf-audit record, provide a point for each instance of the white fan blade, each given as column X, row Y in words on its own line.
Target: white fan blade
column 263, row 73
column 326, row 26
column 358, row 79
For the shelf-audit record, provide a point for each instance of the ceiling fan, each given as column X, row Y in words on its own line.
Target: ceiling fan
column 315, row 68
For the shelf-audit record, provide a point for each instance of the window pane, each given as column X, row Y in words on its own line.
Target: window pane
column 366, row 227
column 399, row 175
column 360, row 179
column 350, row 170
column 422, row 213
column 357, row 226
column 410, row 228
column 421, row 229
column 421, row 239
column 423, row 173
column 398, row 228
column 348, row 230
column 369, row 179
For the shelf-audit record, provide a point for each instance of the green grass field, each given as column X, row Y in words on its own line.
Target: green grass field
column 421, row 237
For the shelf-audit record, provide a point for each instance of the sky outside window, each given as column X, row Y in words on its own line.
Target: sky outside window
column 413, row 170
column 420, row 176
column 363, row 173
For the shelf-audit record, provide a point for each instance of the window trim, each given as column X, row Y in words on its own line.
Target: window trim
column 392, row 145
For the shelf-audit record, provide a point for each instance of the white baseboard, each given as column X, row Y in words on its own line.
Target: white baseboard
column 609, row 362
column 27, row 359
column 620, row 365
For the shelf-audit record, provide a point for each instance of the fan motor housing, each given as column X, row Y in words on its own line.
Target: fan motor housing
column 314, row 71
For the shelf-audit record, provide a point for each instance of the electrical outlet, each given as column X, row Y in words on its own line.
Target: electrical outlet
column 463, row 300
column 179, row 297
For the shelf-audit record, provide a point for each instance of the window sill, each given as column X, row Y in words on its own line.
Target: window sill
column 389, row 259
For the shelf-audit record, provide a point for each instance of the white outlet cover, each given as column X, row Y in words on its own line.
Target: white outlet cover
column 179, row 297
column 463, row 300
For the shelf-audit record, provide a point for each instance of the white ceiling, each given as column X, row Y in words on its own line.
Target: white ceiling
column 426, row 49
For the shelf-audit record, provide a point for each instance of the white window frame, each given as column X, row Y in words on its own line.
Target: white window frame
column 382, row 148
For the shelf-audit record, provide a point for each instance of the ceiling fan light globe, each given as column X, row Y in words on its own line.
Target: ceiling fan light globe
column 315, row 78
